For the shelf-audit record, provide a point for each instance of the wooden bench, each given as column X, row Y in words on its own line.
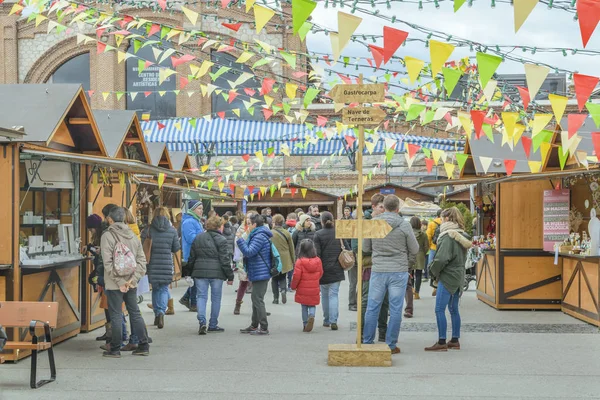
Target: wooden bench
column 23, row 314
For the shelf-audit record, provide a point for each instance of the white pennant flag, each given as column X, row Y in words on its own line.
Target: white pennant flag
column 485, row 163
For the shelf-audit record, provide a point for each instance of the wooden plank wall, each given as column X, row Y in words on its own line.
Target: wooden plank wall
column 8, row 154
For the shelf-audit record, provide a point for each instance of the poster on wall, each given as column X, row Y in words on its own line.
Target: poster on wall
column 556, row 217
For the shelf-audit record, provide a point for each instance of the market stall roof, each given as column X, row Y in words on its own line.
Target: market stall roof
column 55, row 115
column 238, row 137
column 119, row 128
column 454, row 182
column 550, row 174
column 395, row 186
column 204, row 192
column 180, row 160
column 159, row 155
column 11, row 134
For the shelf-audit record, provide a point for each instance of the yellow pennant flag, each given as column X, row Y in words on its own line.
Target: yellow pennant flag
column 119, row 40
column 370, row 147
column 290, row 90
column 535, row 76
column 522, row 9
column 204, row 68
column 304, row 191
column 535, row 166
column 283, row 190
column 414, row 67
column 105, row 95
column 268, row 100
column 263, row 190
column 191, row 15
column 519, row 129
column 236, row 111
column 163, row 74
column 545, row 149
column 510, row 119
column 249, row 4
column 490, row 89
column 559, row 104
column 260, row 156
column 437, row 154
column 39, row 19
column 262, row 16
column 465, row 121
column 409, row 159
column 449, row 167
column 338, row 106
column 335, row 45
column 285, row 149
column 121, row 56
column 439, row 53
column 161, row 179
column 539, row 123
column 221, row 186
column 204, row 168
column 347, row 25
column 95, row 180
column 245, row 56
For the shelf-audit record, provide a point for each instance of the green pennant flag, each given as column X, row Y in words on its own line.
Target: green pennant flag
column 414, row 111
column 119, row 95
column 210, row 184
column 319, row 134
column 193, row 122
column 487, row 64
column 276, row 110
column 250, row 110
column 387, row 77
column 302, row 174
column 235, row 175
column 261, row 62
column 217, row 74
column 451, row 78
column 458, row 4
column 286, row 108
column 301, row 10
column 428, row 117
column 562, row 157
column 136, row 45
column 164, row 31
column 461, row 159
column 311, row 94
column 309, row 126
column 389, row 154
column 272, row 189
column 542, row 137
column 141, row 66
column 426, row 151
column 289, row 58
column 304, row 29
column 487, row 129
column 594, row 110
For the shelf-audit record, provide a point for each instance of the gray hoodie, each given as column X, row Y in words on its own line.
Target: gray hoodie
column 392, row 253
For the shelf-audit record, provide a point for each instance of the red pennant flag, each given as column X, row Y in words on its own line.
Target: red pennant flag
column 201, row 41
column 448, row 118
column 575, row 122
column 267, row 113
column 596, row 142
column 386, row 123
column 347, row 80
column 524, row 92
column 155, row 28
column 99, row 32
column 233, row 27
column 526, row 141
column 412, row 149
column 100, row 47
column 321, row 121
column 91, row 92
column 225, row 3
column 350, row 140
column 146, row 94
column 429, row 164
column 259, row 194
column 377, row 53
column 246, row 157
column 299, row 74
column 584, row 86
column 181, row 60
column 221, row 114
column 232, row 188
column 392, row 39
column 250, row 92
column 588, row 13
column 250, row 189
column 162, row 4
column 478, row 116
column 293, row 190
column 267, row 86
column 510, row 166
column 288, row 181
column 370, row 61
column 183, row 82
column 232, row 95
column 160, row 126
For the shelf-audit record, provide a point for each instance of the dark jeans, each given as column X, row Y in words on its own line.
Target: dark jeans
column 383, row 314
column 241, row 291
column 259, row 311
column 278, row 284
column 409, row 296
column 418, row 279
column 190, row 296
column 290, row 275
column 353, row 280
column 115, row 305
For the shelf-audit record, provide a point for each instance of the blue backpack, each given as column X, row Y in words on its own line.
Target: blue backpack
column 276, row 265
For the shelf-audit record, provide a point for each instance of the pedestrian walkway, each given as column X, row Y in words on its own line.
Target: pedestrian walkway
column 505, row 355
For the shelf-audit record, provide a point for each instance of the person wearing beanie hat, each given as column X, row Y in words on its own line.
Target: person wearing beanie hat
column 93, row 221
column 191, row 227
column 304, row 230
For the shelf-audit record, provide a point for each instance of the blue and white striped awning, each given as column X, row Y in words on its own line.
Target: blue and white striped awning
column 238, row 137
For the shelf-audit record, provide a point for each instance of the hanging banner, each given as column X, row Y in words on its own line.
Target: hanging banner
column 556, row 217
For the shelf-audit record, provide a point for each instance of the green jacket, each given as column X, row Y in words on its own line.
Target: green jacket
column 423, row 249
column 448, row 265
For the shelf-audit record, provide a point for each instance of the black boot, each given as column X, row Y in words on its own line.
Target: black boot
column 107, row 334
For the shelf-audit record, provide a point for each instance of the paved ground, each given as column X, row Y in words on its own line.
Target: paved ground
column 504, row 356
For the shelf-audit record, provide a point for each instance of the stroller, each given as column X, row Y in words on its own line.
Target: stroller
column 473, row 256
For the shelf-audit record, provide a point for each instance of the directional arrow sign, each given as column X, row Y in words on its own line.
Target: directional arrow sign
column 372, row 229
column 363, row 116
column 373, row 93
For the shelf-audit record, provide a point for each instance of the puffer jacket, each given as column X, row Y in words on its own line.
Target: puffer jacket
column 190, row 228
column 285, row 246
column 307, row 273
column 121, row 232
column 257, row 254
column 211, row 257
column 164, row 243
column 317, row 222
column 394, row 252
column 229, row 235
column 301, row 233
column 423, row 241
column 329, row 249
column 448, row 265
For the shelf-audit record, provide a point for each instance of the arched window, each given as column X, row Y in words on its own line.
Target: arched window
column 75, row 70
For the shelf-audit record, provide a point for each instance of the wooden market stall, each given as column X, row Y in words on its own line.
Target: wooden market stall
column 289, row 198
column 410, row 198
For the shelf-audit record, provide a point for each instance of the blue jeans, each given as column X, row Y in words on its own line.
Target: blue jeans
column 444, row 299
column 190, row 296
column 329, row 297
column 394, row 283
column 124, row 327
column 430, row 258
column 290, row 275
column 307, row 311
column 160, row 298
column 216, row 291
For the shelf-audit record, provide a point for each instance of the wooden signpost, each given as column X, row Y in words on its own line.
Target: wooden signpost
column 359, row 355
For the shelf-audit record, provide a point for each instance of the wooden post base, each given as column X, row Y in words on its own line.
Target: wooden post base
column 368, row 355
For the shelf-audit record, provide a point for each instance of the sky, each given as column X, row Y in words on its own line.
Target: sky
column 481, row 23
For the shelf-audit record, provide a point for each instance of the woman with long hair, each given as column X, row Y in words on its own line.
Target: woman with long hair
column 285, row 246
column 329, row 249
column 448, row 268
column 238, row 259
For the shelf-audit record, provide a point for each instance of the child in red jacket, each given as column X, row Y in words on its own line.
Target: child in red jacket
column 307, row 273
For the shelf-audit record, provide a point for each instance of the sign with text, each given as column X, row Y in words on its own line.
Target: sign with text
column 363, row 116
column 556, row 217
column 372, row 229
column 373, row 93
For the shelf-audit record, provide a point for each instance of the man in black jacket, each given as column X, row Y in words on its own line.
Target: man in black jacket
column 315, row 217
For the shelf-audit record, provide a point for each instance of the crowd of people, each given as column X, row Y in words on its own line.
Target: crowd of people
column 297, row 253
